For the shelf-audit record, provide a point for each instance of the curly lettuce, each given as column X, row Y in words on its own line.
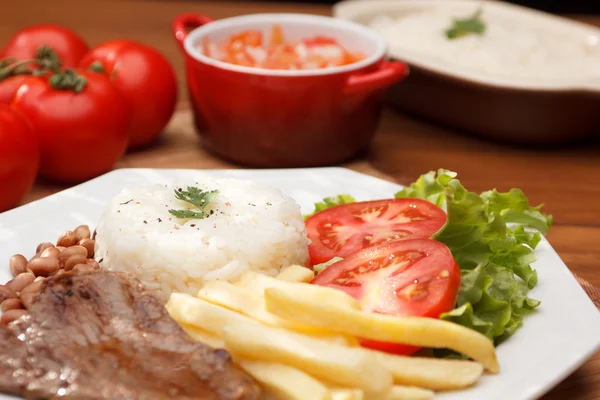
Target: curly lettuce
column 488, row 238
column 329, row 202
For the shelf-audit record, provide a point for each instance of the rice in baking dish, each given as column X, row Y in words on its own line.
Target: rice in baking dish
column 252, row 227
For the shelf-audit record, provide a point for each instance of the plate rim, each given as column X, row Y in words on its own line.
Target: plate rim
column 587, row 347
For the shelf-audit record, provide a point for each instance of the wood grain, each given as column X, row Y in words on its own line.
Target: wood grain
column 565, row 178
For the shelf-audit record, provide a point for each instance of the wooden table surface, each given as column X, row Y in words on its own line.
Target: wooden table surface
column 566, row 179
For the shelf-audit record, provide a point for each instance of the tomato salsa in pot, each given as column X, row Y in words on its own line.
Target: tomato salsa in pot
column 249, row 48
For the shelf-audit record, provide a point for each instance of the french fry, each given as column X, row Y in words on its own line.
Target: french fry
column 201, row 335
column 286, row 383
column 257, row 283
column 396, row 392
column 252, row 304
column 415, row 331
column 430, row 373
column 345, row 366
column 407, row 393
column 296, row 273
column 347, row 394
column 211, row 318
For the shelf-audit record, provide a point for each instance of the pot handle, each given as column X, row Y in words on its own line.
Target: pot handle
column 389, row 72
column 183, row 23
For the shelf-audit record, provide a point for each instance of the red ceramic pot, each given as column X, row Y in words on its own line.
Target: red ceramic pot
column 286, row 118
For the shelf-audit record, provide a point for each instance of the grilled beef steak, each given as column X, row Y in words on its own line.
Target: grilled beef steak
column 101, row 335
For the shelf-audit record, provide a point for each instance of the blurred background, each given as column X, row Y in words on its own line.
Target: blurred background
column 554, row 6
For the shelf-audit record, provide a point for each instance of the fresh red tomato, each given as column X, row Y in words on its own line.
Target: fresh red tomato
column 82, row 133
column 343, row 230
column 9, row 86
column 416, row 277
column 19, row 157
column 24, row 44
column 146, row 79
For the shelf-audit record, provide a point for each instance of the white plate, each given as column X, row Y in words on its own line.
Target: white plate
column 554, row 341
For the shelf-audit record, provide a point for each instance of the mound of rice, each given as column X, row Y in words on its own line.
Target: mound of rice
column 252, row 227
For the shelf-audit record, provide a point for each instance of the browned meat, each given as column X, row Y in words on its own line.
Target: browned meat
column 101, row 335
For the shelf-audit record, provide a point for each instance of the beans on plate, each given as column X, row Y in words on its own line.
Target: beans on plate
column 74, row 251
column 10, row 304
column 67, row 239
column 11, row 315
column 20, row 282
column 18, row 264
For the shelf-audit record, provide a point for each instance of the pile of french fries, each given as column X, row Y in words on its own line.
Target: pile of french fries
column 300, row 341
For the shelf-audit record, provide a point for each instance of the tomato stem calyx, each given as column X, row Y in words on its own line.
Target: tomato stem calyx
column 68, row 80
column 46, row 60
column 96, row 66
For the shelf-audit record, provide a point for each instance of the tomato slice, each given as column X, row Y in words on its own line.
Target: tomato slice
column 206, row 47
column 277, row 35
column 345, row 229
column 319, row 41
column 246, row 38
column 248, row 47
column 416, row 277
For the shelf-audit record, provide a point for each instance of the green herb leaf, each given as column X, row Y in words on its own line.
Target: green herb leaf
column 466, row 26
column 329, row 202
column 197, row 198
column 495, row 258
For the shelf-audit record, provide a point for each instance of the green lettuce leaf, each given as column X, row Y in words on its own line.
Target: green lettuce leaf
column 488, row 238
column 514, row 207
column 329, row 202
column 429, row 187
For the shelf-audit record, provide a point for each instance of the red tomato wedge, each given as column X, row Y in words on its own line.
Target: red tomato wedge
column 417, row 277
column 343, row 230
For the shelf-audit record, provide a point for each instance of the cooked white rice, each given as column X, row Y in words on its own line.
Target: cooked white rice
column 507, row 48
column 253, row 227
